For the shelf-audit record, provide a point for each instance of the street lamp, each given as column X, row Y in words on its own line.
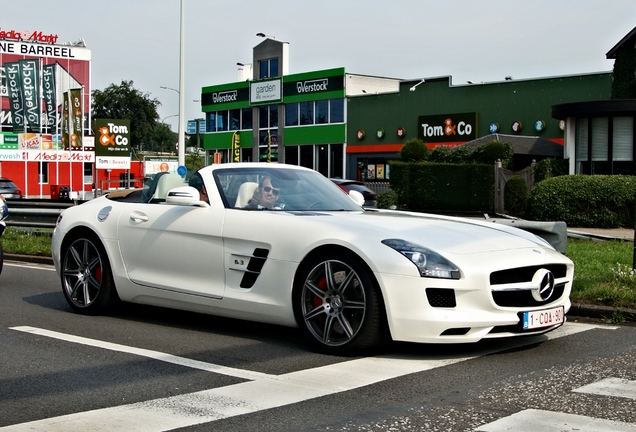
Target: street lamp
column 263, row 35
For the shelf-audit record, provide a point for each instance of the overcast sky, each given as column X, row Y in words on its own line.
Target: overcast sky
column 479, row 40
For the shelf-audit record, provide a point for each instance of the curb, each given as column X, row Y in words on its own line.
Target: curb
column 577, row 309
column 602, row 312
column 29, row 258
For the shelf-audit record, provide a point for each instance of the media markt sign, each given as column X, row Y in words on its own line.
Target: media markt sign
column 266, row 91
column 112, row 144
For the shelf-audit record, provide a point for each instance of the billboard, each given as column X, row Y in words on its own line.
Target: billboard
column 35, row 75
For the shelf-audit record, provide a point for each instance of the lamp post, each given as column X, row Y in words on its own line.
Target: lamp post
column 163, row 121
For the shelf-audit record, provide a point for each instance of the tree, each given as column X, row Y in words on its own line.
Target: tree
column 126, row 102
column 414, row 150
column 163, row 139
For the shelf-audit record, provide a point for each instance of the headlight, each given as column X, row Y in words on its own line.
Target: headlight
column 429, row 263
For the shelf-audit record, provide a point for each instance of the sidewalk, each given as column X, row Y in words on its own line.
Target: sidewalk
column 603, row 233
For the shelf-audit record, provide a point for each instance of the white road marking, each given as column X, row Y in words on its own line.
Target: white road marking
column 38, row 266
column 182, row 361
column 615, row 387
column 265, row 392
column 537, row 420
column 542, row 421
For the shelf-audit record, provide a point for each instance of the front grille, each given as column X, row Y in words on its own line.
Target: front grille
column 525, row 274
column 524, row 298
column 441, row 297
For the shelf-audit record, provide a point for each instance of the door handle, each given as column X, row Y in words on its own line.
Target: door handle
column 138, row 217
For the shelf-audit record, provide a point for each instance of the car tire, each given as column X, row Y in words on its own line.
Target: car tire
column 1, row 258
column 337, row 305
column 87, row 280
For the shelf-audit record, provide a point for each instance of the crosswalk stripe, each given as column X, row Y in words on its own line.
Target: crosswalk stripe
column 616, row 387
column 532, row 420
column 263, row 392
column 182, row 361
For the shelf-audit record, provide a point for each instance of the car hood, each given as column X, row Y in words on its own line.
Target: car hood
column 442, row 233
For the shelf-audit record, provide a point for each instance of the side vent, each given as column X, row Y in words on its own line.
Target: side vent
column 254, row 267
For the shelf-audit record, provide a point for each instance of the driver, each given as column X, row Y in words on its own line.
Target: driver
column 265, row 195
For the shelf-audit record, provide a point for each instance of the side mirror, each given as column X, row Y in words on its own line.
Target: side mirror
column 185, row 196
column 357, row 197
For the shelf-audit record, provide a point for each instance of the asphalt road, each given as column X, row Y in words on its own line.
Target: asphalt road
column 152, row 369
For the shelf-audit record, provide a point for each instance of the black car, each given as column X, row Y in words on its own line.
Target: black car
column 370, row 197
column 9, row 190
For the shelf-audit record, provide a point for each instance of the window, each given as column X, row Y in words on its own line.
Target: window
column 322, row 112
column 43, row 172
column 315, row 112
column 599, row 139
column 222, row 121
column 88, row 173
column 211, row 122
column 306, row 113
column 268, row 117
column 623, row 138
column 235, row 119
column 247, row 118
column 336, row 111
column 291, row 114
column 268, row 68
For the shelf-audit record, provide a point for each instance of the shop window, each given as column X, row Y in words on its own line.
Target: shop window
column 291, row 155
column 600, row 145
column 43, row 172
column 211, row 122
column 291, row 114
column 322, row 112
column 623, row 139
column 88, row 173
column 306, row 113
column 246, row 118
column 307, row 156
column 336, row 111
column 222, row 121
column 235, row 119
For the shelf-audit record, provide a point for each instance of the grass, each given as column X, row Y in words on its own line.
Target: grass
column 23, row 241
column 603, row 273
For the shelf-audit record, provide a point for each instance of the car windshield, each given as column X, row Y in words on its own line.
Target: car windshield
column 297, row 190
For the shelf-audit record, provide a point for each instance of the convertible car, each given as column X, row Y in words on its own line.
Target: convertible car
column 351, row 278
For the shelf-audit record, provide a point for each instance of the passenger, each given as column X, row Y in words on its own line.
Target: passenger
column 265, row 195
column 196, row 181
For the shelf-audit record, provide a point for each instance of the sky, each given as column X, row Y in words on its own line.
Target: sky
column 478, row 40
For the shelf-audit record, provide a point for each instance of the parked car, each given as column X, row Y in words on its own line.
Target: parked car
column 351, row 278
column 9, row 190
column 370, row 197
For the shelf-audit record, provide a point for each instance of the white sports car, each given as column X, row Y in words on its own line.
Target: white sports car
column 350, row 278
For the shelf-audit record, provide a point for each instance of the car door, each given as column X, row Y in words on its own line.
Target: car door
column 172, row 247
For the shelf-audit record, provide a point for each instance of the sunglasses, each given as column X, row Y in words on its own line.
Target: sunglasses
column 268, row 189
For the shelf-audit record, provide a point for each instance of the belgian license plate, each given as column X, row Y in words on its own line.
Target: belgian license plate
column 543, row 318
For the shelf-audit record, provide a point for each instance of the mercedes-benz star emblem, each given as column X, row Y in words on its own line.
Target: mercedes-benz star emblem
column 544, row 282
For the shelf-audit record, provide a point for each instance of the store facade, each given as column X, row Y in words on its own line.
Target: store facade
column 351, row 126
column 273, row 116
column 45, row 117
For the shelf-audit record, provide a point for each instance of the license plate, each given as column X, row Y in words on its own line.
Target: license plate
column 543, row 318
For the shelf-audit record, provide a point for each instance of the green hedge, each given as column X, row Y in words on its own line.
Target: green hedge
column 426, row 186
column 585, row 200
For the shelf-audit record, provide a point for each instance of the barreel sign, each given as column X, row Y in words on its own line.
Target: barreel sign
column 266, row 91
column 447, row 127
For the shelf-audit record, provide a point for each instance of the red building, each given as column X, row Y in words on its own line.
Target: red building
column 45, row 106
